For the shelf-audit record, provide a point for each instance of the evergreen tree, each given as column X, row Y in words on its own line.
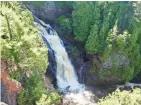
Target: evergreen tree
column 115, row 30
column 82, row 17
column 21, row 43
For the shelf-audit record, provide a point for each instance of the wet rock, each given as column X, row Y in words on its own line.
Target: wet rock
column 129, row 86
column 98, row 66
column 48, row 84
column 52, row 62
column 137, row 78
column 2, row 103
column 94, row 79
column 10, row 89
column 51, row 70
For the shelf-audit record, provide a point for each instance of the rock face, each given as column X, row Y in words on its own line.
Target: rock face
column 9, row 89
column 49, row 11
column 94, row 79
column 96, row 67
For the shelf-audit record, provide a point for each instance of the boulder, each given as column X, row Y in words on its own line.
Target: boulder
column 10, row 89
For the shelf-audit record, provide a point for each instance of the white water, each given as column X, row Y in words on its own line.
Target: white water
column 66, row 76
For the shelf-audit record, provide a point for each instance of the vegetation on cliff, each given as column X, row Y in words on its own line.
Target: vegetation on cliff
column 111, row 31
column 23, row 48
column 110, row 28
column 122, row 98
column 21, row 43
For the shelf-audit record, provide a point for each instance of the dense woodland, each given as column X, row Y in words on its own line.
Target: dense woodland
column 106, row 29
column 110, row 28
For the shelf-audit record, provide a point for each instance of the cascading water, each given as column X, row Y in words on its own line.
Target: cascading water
column 65, row 74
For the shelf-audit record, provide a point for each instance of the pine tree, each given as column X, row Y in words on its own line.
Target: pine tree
column 22, row 45
column 82, row 17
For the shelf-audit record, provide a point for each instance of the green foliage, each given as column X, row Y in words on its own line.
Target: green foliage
column 64, row 3
column 82, row 17
column 92, row 45
column 124, row 39
column 36, row 3
column 22, row 46
column 65, row 24
column 111, row 28
column 50, row 99
column 103, row 20
column 35, row 92
column 21, row 43
column 75, row 51
column 33, row 89
column 122, row 98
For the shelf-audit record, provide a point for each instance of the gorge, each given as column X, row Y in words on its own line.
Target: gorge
column 70, row 53
column 67, row 79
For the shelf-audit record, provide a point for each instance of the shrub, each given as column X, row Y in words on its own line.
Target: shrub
column 35, row 92
column 49, row 99
column 65, row 24
column 33, row 89
column 21, row 43
column 122, row 98
column 75, row 51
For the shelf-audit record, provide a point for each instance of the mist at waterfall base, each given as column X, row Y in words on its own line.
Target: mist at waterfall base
column 67, row 80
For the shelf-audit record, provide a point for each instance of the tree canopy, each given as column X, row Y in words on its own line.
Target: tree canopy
column 109, row 28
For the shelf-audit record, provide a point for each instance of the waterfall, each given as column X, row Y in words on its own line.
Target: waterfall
column 65, row 73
